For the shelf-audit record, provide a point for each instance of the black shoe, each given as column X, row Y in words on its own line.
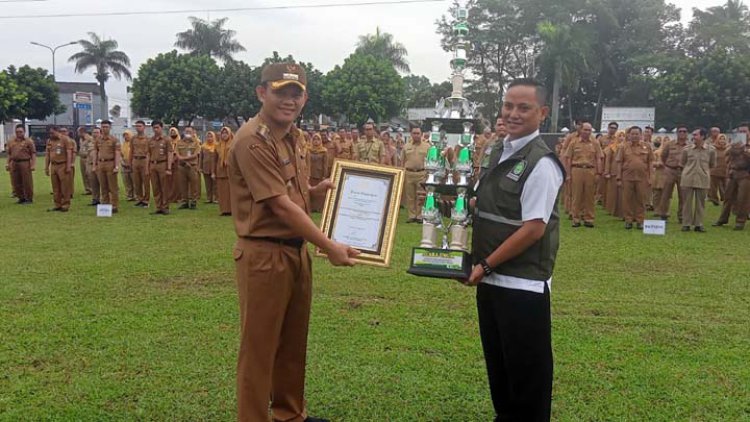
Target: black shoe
column 114, row 211
column 576, row 225
column 311, row 419
column 20, row 202
column 63, row 210
column 679, row 220
column 411, row 220
column 686, row 228
column 418, row 220
column 157, row 212
column 27, row 202
column 193, row 205
column 589, row 225
column 54, row 209
column 184, row 206
column 639, row 226
column 739, row 227
column 94, row 203
column 718, row 224
column 165, row 212
column 226, row 214
column 664, row 218
column 700, row 229
column 628, row 226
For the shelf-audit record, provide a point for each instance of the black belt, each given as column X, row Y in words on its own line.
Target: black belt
column 582, row 167
column 295, row 242
column 159, row 162
column 59, row 162
column 143, row 157
column 104, row 160
column 22, row 161
column 673, row 167
column 415, row 170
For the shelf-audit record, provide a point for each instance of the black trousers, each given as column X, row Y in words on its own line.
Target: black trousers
column 515, row 327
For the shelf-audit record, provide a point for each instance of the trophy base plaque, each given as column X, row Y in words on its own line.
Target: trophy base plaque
column 440, row 263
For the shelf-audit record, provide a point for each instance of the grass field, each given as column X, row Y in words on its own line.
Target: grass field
column 136, row 318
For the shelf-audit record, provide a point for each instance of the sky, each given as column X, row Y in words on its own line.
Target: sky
column 323, row 36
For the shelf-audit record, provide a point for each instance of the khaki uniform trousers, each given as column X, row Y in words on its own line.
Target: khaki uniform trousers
column 60, row 185
column 737, row 200
column 72, row 180
column 672, row 179
column 274, row 283
column 22, row 180
column 635, row 194
column 582, row 187
column 83, row 165
column 694, row 207
column 96, row 193
column 412, row 189
column 159, row 185
column 140, row 180
column 127, row 180
column 717, row 189
column 189, row 182
column 222, row 191
column 210, row 187
column 110, row 189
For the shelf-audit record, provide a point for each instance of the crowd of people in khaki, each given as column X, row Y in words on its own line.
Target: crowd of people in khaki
column 632, row 171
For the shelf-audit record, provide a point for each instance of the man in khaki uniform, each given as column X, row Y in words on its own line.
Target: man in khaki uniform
column 159, row 159
column 657, row 174
column 415, row 153
column 57, row 165
column 671, row 157
column 188, row 180
column 714, row 132
column 21, row 163
column 583, row 160
column 370, row 149
column 107, row 165
column 634, row 160
column 126, row 157
column 139, row 165
column 483, row 155
column 697, row 160
column 68, row 136
column 738, row 187
column 85, row 142
column 96, row 193
column 270, row 205
column 719, row 172
column 344, row 146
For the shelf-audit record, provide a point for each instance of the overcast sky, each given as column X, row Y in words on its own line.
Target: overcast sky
column 322, row 36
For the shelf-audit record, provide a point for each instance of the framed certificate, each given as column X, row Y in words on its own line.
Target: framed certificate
column 362, row 209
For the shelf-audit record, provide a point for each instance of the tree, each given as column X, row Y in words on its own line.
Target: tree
column 11, row 97
column 209, row 39
column 235, row 92
column 105, row 59
column 724, row 27
column 384, row 47
column 364, row 87
column 420, row 93
column 40, row 93
column 175, row 87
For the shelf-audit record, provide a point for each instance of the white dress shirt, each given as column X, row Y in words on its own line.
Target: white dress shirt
column 537, row 203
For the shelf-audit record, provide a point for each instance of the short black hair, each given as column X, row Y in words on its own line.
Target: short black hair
column 702, row 131
column 106, row 122
column 20, row 126
column 51, row 127
column 638, row 128
column 140, row 122
column 744, row 124
column 615, row 124
column 157, row 123
column 541, row 91
column 681, row 126
column 649, row 128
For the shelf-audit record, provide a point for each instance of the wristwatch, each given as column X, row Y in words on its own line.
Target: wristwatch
column 486, row 267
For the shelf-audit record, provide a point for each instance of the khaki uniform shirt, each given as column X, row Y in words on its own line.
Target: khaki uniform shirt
column 58, row 150
column 139, row 146
column 697, row 164
column 738, row 161
column 264, row 165
column 584, row 153
column 318, row 164
column 189, row 149
column 347, row 148
column 415, row 154
column 86, row 146
column 635, row 161
column 208, row 161
column 20, row 149
column 721, row 162
column 159, row 149
column 107, row 147
column 372, row 151
column 671, row 154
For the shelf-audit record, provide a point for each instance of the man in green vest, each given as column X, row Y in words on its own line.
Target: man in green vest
column 516, row 237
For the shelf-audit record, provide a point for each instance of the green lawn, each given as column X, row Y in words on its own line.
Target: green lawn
column 136, row 318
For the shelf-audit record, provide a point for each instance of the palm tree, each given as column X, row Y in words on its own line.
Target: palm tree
column 209, row 39
column 721, row 27
column 565, row 50
column 103, row 56
column 383, row 46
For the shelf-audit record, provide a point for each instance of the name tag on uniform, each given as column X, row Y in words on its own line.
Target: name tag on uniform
column 518, row 170
column 58, row 151
column 189, row 153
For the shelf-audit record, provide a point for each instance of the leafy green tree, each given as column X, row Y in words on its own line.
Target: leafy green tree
column 11, row 97
column 105, row 59
column 420, row 93
column 40, row 93
column 383, row 46
column 235, row 92
column 175, row 87
column 725, row 27
column 209, row 39
column 364, row 87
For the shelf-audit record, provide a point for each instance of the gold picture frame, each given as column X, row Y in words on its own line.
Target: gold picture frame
column 371, row 198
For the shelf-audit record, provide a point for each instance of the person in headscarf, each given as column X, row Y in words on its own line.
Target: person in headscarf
column 318, row 164
column 173, row 193
column 207, row 166
column 226, row 137
column 127, row 172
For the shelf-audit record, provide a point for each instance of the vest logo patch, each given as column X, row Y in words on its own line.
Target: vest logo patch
column 517, row 171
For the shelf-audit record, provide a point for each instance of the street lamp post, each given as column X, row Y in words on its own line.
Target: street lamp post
column 53, row 51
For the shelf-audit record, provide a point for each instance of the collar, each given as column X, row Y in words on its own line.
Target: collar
column 517, row 144
column 704, row 146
